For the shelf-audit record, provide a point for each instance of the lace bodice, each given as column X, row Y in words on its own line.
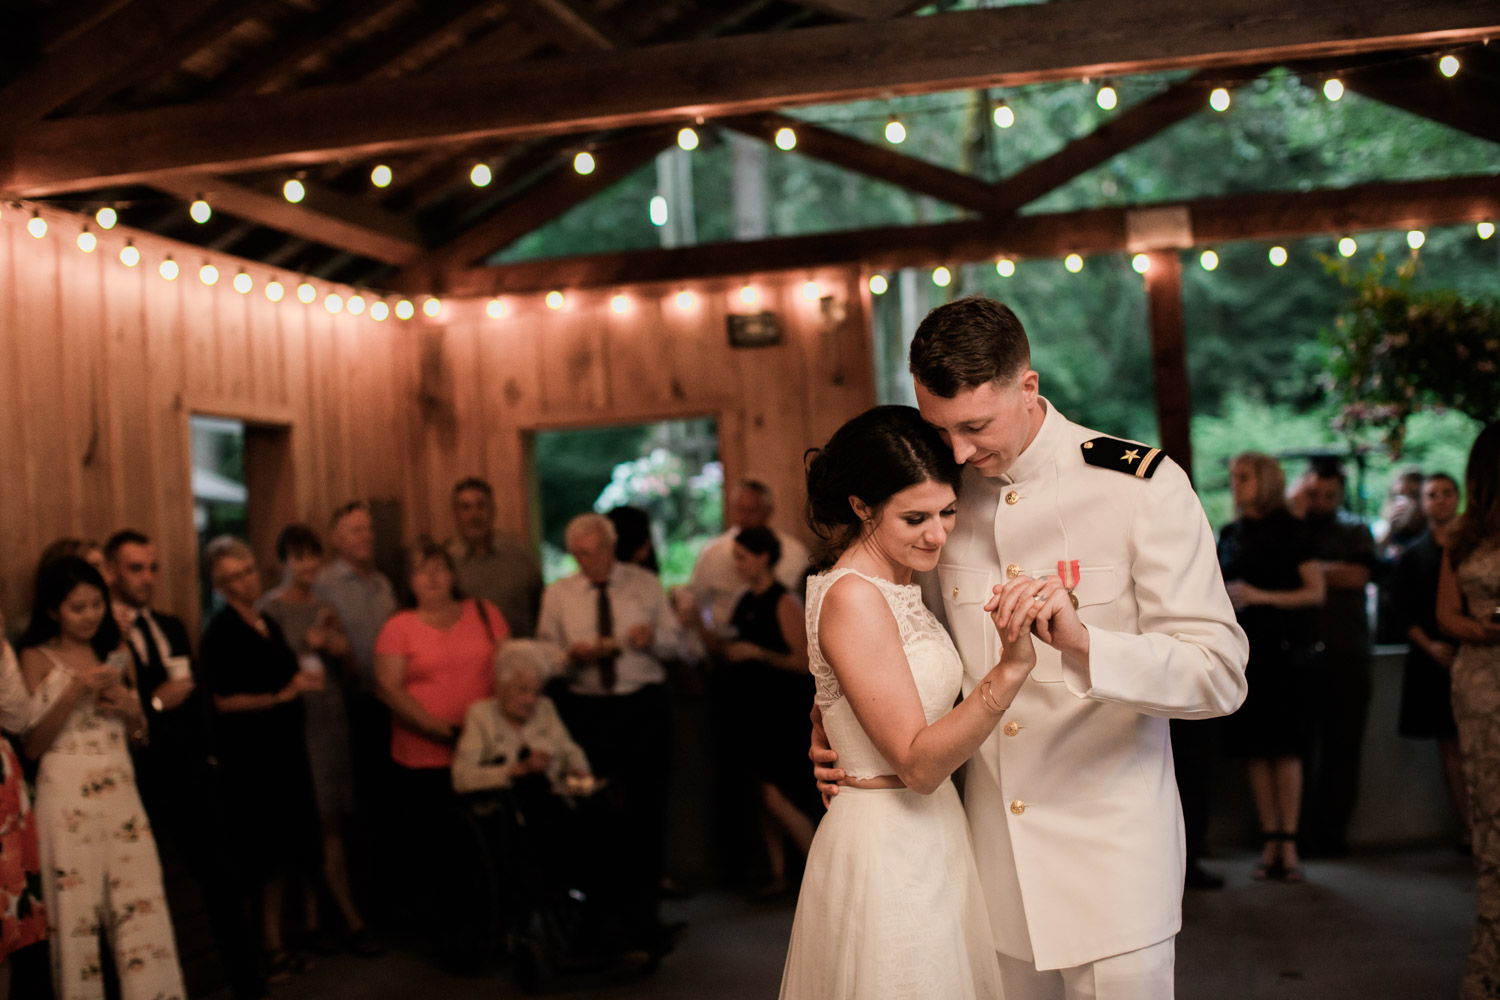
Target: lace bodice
column 88, row 731
column 934, row 663
column 1479, row 581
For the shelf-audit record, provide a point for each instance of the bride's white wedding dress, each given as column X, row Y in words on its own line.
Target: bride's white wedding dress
column 891, row 905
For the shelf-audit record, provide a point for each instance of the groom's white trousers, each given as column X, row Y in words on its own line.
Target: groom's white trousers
column 1145, row 974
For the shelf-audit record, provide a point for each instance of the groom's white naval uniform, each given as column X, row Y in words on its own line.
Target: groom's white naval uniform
column 1072, row 802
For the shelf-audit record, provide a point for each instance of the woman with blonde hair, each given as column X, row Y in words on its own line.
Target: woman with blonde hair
column 1273, row 577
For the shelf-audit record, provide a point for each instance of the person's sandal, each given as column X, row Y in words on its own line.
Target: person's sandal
column 1265, row 871
column 1292, row 874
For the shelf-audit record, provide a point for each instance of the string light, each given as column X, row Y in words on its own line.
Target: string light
column 495, row 309
column 293, row 191
column 583, row 163
column 379, row 311
column 129, row 255
column 381, row 176
column 106, row 217
column 1108, row 97
column 895, row 132
column 243, row 283
column 356, row 305
column 432, row 306
column 687, row 138
column 811, row 292
column 208, row 274
column 274, row 290
column 1005, row 116
column 1208, row 260
column 942, row 277
column 685, row 300
column 37, row 227
column 658, row 210
column 1141, row 262
column 1219, row 99
column 1347, row 246
column 786, row 138
column 306, row 293
column 748, row 295
column 481, row 175
column 87, row 241
column 1278, row 256
column 1485, row 230
column 1005, row 267
column 1073, row 263
column 878, row 284
column 200, row 211
column 1448, row 65
column 168, row 269
column 404, row 309
column 1333, row 88
column 1415, row 239
column 334, row 303
column 555, row 300
column 620, row 304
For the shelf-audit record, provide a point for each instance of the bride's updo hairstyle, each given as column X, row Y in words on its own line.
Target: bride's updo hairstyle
column 873, row 457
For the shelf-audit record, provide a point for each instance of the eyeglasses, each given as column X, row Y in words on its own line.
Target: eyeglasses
column 248, row 570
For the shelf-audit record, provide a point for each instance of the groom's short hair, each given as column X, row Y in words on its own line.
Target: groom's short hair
column 967, row 343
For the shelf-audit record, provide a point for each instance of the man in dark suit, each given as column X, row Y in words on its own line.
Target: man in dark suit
column 175, row 770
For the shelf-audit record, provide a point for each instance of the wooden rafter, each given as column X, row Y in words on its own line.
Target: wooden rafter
column 1275, row 215
column 572, row 25
column 742, row 74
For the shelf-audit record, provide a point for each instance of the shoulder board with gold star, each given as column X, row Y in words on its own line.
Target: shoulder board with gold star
column 1129, row 457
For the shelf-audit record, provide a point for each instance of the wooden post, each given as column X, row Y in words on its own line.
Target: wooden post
column 1174, row 407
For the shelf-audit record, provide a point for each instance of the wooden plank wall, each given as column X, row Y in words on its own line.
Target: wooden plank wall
column 100, row 366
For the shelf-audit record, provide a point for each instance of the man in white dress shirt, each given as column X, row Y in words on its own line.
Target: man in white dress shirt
column 715, row 585
column 1072, row 802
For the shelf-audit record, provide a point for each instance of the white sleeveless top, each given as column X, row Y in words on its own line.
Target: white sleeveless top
column 930, row 654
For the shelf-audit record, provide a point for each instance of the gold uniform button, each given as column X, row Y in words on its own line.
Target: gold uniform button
column 1012, row 497
column 955, row 591
column 1012, row 571
column 1018, row 807
column 1012, row 729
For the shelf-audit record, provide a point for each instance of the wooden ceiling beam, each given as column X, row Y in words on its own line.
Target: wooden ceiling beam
column 325, row 216
column 1276, row 215
column 571, row 25
column 741, row 74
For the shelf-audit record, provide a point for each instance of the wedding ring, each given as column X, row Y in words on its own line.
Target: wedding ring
column 1038, row 597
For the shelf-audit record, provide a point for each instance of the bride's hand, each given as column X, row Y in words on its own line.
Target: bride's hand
column 1018, row 603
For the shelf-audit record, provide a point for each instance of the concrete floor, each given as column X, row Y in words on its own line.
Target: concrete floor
column 1391, row 925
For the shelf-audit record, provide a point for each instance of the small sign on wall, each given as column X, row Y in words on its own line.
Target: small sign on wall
column 754, row 330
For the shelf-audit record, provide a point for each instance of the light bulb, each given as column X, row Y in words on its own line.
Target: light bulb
column 1448, row 65
column 381, row 176
column 811, row 292
column 658, row 210
column 87, row 241
column 1415, row 239
column 786, row 138
column 405, row 310
column 687, row 139
column 334, row 303
column 495, row 309
column 1485, row 230
column 1107, row 97
column 481, row 175
column 1005, row 267
column 208, row 274
column 168, row 269
column 1141, row 262
column 106, row 217
column 37, row 227
column 432, row 306
column 275, row 291
column 293, row 191
column 243, row 283
column 748, row 295
column 942, row 277
column 620, row 304
column 1333, row 88
column 878, row 284
column 555, row 300
column 1209, row 260
column 1347, row 246
column 379, row 311
column 1278, row 256
column 583, row 163
column 1005, row 115
column 895, row 132
column 685, row 300
column 1073, row 263
column 356, row 305
column 129, row 255
column 200, row 211
column 1219, row 99
column 306, row 293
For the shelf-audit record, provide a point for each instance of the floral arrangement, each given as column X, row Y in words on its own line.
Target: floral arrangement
column 1396, row 350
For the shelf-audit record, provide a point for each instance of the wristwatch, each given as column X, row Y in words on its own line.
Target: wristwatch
column 156, row 703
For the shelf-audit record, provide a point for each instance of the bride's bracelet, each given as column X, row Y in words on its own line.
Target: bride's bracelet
column 989, row 699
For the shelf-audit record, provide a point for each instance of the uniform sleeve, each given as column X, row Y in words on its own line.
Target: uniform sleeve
column 1188, row 660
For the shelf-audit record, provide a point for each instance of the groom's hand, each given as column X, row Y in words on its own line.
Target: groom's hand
column 822, row 755
column 1044, row 607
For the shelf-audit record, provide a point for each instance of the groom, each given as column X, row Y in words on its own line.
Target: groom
column 1072, row 802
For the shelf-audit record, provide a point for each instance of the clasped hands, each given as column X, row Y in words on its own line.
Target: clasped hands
column 636, row 637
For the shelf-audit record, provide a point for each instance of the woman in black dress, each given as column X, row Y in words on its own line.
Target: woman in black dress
column 1273, row 577
column 259, row 740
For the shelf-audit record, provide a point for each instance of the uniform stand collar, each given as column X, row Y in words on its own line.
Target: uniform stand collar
column 1049, row 437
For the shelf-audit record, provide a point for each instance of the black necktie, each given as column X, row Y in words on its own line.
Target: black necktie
column 606, row 630
column 156, row 668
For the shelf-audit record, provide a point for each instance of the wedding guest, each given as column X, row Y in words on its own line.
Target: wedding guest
column 98, row 856
column 493, row 565
column 257, row 687
column 1468, row 609
column 1400, row 525
column 633, row 543
column 312, row 628
column 84, row 548
column 23, row 918
column 714, row 584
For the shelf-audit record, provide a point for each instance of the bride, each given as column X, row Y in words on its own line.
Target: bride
column 891, row 905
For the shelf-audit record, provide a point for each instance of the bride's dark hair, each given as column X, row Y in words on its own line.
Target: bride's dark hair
column 873, row 457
